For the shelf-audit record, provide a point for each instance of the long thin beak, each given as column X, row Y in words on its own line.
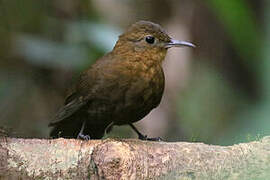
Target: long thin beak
column 176, row 43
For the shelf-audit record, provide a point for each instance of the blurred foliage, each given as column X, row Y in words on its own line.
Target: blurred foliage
column 211, row 106
column 240, row 23
column 247, row 36
column 207, row 104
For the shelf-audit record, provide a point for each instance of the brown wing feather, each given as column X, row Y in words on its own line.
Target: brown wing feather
column 78, row 96
column 66, row 111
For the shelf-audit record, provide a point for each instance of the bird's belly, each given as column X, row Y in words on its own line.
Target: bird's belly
column 122, row 112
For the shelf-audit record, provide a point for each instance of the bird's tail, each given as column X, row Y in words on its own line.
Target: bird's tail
column 70, row 128
column 65, row 130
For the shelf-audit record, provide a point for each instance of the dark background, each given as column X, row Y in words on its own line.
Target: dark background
column 217, row 93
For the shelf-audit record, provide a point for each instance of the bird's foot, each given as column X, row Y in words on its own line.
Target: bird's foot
column 145, row 138
column 83, row 137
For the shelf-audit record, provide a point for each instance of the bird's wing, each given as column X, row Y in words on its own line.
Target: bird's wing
column 68, row 109
column 78, row 95
column 74, row 101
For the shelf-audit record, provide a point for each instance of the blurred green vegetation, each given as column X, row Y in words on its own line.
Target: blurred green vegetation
column 45, row 44
column 214, row 109
column 242, row 27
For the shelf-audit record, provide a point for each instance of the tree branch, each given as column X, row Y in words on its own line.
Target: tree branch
column 131, row 159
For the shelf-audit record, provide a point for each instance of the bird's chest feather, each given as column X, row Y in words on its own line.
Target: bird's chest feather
column 130, row 90
column 146, row 87
column 143, row 87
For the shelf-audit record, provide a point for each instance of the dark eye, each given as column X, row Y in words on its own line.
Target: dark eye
column 150, row 39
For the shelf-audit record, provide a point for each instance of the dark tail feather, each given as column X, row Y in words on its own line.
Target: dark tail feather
column 95, row 131
column 64, row 130
column 70, row 129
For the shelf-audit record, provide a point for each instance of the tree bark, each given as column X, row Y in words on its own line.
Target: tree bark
column 131, row 159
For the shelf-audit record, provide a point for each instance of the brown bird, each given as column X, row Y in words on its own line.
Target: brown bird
column 121, row 88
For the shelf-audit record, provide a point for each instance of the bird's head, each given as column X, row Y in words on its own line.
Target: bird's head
column 148, row 40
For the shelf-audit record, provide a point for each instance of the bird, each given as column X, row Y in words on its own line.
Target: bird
column 120, row 88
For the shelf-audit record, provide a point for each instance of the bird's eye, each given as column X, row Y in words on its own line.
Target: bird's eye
column 150, row 39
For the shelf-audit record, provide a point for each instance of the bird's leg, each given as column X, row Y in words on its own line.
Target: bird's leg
column 81, row 135
column 144, row 137
column 108, row 127
column 141, row 136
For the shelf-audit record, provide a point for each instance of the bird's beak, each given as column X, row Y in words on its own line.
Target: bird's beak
column 176, row 43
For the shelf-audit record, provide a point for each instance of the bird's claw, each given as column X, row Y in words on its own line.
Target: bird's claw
column 145, row 138
column 155, row 139
column 83, row 137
